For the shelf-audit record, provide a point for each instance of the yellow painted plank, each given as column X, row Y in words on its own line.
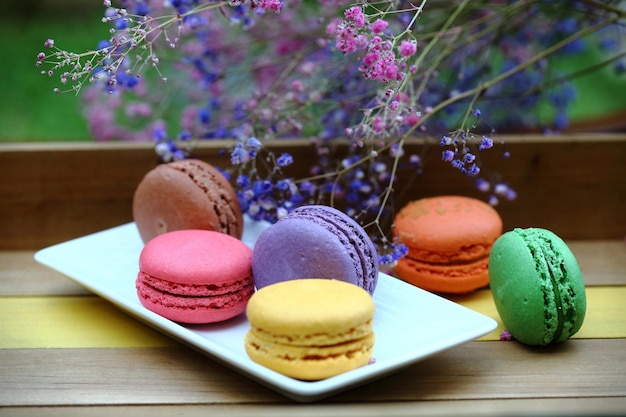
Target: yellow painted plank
column 89, row 321
column 605, row 318
column 71, row 322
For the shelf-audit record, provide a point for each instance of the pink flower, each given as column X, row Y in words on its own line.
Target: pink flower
column 407, row 48
column 138, row 109
column 346, row 38
column 273, row 5
column 371, row 58
column 332, row 26
column 378, row 26
column 411, row 119
column 506, row 336
column 378, row 124
column 391, row 72
column 356, row 15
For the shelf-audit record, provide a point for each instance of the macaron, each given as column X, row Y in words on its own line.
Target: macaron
column 315, row 241
column 187, row 194
column 537, row 286
column 449, row 239
column 195, row 276
column 310, row 329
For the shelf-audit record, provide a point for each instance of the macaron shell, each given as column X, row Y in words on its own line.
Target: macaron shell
column 196, row 257
column 447, row 228
column 283, row 252
column 314, row 307
column 444, row 278
column 315, row 242
column 517, row 290
column 537, row 286
column 195, row 276
column 188, row 194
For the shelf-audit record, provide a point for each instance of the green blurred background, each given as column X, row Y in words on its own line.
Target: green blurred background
column 30, row 111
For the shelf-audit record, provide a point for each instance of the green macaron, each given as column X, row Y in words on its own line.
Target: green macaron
column 537, row 286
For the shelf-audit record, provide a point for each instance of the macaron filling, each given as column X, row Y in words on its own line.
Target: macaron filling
column 178, row 296
column 194, row 290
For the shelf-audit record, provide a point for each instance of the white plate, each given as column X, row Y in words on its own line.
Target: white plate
column 410, row 324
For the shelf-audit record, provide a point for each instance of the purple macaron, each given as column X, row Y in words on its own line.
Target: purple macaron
column 315, row 242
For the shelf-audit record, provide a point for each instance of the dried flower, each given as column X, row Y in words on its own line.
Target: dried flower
column 378, row 72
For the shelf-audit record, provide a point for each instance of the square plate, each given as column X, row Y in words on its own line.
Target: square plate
column 410, row 324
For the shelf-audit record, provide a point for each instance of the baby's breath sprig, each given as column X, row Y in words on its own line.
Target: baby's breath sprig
column 132, row 34
column 368, row 74
column 264, row 192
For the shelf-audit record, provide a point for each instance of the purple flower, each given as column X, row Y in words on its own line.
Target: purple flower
column 242, row 181
column 284, row 160
column 204, row 115
column 184, row 135
column 399, row 250
column 457, row 163
column 385, row 259
column 483, row 185
column 485, row 143
column 447, row 156
column 473, row 170
column 102, row 45
column 506, row 336
column 253, row 144
column 283, row 185
column 510, row 194
column 261, row 187
column 142, row 9
column 501, row 189
column 307, row 188
column 238, row 155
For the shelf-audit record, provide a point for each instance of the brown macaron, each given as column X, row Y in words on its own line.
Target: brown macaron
column 449, row 240
column 187, row 194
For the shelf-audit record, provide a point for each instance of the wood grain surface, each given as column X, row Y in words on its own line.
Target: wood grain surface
column 574, row 185
column 177, row 375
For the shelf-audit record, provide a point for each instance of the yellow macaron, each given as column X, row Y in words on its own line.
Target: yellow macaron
column 310, row 329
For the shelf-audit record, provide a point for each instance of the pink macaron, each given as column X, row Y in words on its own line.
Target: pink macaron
column 195, row 276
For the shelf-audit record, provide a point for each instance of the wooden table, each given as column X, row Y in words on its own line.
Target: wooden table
column 578, row 377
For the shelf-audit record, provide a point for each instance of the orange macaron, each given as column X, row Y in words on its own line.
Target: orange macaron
column 449, row 239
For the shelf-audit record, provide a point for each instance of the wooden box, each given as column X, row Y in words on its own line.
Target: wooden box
column 574, row 185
